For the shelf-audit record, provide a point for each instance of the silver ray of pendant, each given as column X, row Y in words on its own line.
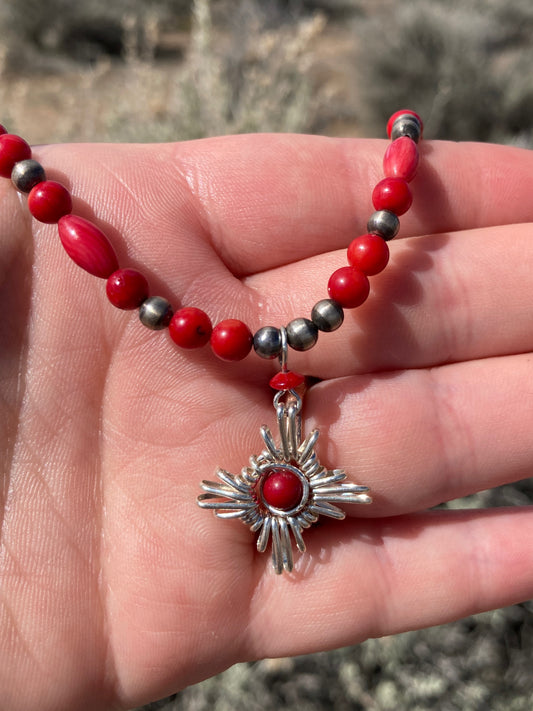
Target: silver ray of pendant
column 283, row 490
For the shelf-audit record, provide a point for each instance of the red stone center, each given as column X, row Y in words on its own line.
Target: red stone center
column 282, row 489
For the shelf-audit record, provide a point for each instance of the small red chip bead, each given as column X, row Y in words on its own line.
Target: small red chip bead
column 190, row 327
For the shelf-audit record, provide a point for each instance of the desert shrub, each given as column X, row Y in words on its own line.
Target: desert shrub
column 462, row 66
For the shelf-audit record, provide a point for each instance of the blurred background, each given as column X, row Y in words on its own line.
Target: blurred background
column 165, row 70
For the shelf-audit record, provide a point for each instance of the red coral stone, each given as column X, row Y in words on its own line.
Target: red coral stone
column 190, row 327
column 48, row 201
column 282, row 489
column 369, row 253
column 286, row 380
column 401, row 159
column 88, row 246
column 231, row 339
column 12, row 150
column 349, row 287
column 127, row 289
column 392, row 194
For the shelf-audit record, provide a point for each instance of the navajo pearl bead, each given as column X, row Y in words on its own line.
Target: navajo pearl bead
column 87, row 246
column 327, row 315
column 302, row 334
column 369, row 253
column 267, row 342
column 401, row 159
column 392, row 194
column 26, row 174
column 190, row 327
column 12, row 150
column 127, row 289
column 155, row 313
column 231, row 340
column 406, row 126
column 349, row 287
column 401, row 114
column 384, row 223
column 49, row 201
column 282, row 489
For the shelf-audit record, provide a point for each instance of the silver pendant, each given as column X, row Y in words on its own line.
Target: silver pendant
column 283, row 490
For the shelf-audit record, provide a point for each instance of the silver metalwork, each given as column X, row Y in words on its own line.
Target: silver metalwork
column 327, row 315
column 384, row 223
column 302, row 334
column 242, row 497
column 155, row 313
column 26, row 174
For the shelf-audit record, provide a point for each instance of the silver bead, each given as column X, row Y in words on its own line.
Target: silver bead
column 406, row 125
column 26, row 174
column 155, row 313
column 302, row 334
column 327, row 315
column 384, row 223
column 267, row 342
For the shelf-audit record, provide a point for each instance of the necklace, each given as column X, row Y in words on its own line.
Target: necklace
column 285, row 489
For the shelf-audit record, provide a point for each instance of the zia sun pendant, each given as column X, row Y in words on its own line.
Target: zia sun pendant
column 283, row 490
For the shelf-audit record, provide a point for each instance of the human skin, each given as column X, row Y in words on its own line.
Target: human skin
column 115, row 587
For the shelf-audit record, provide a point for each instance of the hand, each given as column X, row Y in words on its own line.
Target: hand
column 115, row 587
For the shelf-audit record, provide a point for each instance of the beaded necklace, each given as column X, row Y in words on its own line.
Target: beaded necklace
column 284, row 489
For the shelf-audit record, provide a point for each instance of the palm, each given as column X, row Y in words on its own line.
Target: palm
column 115, row 585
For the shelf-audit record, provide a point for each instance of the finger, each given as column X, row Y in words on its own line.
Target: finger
column 369, row 579
column 443, row 298
column 263, row 201
column 421, row 437
column 275, row 199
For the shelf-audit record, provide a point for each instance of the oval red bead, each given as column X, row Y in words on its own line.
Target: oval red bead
column 87, row 245
column 396, row 114
column 282, row 489
column 286, row 380
column 349, row 287
column 127, row 289
column 12, row 150
column 48, row 201
column 231, row 340
column 369, row 253
column 190, row 327
column 401, row 159
column 392, row 194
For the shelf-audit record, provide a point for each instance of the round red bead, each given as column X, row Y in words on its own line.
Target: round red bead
column 231, row 340
column 127, row 289
column 392, row 194
column 87, row 245
column 2, row 130
column 401, row 159
column 369, row 253
column 190, row 328
column 349, row 287
column 396, row 114
column 282, row 489
column 48, row 201
column 286, row 380
column 12, row 150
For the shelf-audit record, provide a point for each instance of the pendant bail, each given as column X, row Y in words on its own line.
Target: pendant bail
column 284, row 352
